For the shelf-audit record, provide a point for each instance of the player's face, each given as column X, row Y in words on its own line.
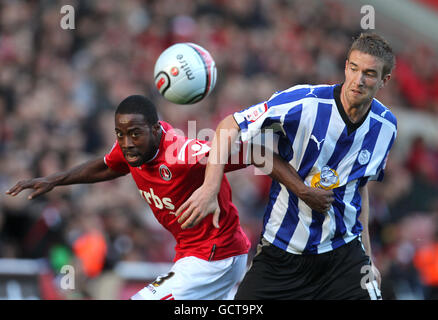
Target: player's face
column 363, row 78
column 138, row 140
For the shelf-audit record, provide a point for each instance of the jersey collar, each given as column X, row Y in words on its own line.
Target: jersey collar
column 351, row 126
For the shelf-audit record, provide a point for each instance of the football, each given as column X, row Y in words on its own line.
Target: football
column 185, row 73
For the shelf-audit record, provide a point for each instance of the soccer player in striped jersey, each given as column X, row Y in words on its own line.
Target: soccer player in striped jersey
column 337, row 138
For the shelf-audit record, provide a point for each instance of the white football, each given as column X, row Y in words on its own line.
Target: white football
column 185, row 73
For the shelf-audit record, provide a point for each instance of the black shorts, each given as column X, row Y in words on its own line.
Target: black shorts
column 279, row 275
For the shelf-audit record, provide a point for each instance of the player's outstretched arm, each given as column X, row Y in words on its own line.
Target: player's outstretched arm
column 278, row 169
column 88, row 172
column 204, row 200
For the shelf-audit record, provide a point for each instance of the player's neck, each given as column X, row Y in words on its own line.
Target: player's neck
column 354, row 112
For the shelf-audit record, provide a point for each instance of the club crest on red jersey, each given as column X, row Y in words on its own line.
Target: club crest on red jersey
column 165, row 173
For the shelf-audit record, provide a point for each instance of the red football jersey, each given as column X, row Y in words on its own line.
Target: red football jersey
column 169, row 179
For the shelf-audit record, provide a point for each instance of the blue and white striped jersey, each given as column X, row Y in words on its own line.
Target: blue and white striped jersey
column 328, row 151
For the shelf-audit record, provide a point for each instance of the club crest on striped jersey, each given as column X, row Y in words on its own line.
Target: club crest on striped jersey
column 165, row 173
column 256, row 112
column 327, row 179
column 364, row 157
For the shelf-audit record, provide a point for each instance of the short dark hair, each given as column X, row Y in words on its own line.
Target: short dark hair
column 375, row 45
column 138, row 104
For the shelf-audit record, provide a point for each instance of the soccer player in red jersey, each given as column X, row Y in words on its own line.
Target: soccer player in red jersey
column 167, row 167
column 210, row 257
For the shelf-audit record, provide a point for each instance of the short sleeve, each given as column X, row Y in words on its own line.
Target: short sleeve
column 381, row 169
column 281, row 113
column 115, row 159
column 253, row 120
column 380, row 172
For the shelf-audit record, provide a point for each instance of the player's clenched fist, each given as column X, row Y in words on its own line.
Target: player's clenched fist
column 197, row 207
column 318, row 199
column 40, row 185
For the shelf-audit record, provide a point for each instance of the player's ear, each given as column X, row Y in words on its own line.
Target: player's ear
column 384, row 81
column 156, row 128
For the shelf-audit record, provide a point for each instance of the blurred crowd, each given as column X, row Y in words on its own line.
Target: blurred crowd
column 59, row 89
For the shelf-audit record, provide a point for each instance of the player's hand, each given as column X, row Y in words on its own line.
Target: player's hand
column 40, row 185
column 318, row 199
column 197, row 207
